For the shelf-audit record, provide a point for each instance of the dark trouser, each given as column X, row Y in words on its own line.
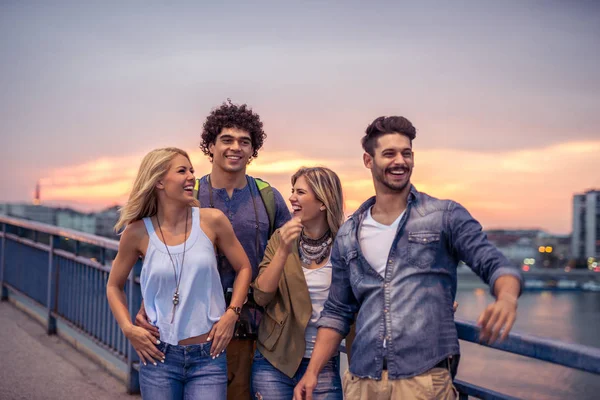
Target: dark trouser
column 240, row 353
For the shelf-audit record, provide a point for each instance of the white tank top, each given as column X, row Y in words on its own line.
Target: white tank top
column 201, row 300
column 318, row 281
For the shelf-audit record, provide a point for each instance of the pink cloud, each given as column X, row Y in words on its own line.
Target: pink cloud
column 522, row 188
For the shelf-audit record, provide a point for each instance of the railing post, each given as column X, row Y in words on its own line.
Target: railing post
column 4, row 291
column 102, row 259
column 133, row 377
column 51, row 327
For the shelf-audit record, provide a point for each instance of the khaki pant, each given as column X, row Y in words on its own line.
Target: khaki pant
column 240, row 354
column 432, row 385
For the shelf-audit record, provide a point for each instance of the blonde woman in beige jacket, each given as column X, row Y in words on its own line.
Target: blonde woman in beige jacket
column 293, row 284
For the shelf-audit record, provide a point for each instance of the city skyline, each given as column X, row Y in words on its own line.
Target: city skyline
column 504, row 96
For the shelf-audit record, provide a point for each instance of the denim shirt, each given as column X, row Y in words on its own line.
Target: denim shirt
column 406, row 316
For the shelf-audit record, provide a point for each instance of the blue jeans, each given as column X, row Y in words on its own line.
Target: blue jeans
column 271, row 383
column 189, row 372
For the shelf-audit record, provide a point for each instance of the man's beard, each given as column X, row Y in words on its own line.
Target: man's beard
column 399, row 187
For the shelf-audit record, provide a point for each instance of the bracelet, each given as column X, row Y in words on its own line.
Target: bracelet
column 236, row 310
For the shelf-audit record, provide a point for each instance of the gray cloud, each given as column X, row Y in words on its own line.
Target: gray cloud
column 80, row 81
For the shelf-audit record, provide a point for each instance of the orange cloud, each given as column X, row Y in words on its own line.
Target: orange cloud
column 522, row 188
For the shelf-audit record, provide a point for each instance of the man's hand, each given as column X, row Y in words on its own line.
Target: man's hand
column 304, row 388
column 455, row 306
column 222, row 332
column 144, row 344
column 141, row 320
column 499, row 316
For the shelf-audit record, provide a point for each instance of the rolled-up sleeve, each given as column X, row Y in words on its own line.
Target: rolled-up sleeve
column 341, row 306
column 471, row 246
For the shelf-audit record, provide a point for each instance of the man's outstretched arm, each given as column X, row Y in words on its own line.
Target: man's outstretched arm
column 334, row 324
column 141, row 320
column 501, row 314
column 505, row 280
column 327, row 343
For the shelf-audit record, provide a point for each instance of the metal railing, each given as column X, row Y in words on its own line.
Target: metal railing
column 66, row 272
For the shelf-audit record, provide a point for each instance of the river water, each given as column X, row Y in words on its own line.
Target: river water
column 568, row 316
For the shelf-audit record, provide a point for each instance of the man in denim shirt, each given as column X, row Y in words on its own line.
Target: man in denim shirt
column 394, row 271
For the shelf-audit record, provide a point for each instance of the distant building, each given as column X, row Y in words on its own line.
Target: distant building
column 518, row 245
column 105, row 222
column 37, row 200
column 532, row 247
column 32, row 212
column 71, row 219
column 100, row 223
column 554, row 250
column 585, row 243
column 586, row 225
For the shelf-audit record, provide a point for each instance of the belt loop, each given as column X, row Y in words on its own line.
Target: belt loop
column 165, row 350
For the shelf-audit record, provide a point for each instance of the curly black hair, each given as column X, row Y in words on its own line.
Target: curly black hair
column 230, row 115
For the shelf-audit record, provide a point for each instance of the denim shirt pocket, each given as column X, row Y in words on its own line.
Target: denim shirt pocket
column 355, row 272
column 422, row 248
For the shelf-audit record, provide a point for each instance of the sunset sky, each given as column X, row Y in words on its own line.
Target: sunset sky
column 505, row 95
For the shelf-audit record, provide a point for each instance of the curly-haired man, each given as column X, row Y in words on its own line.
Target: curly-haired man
column 231, row 137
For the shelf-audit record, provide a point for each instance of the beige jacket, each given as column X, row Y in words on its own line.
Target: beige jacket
column 287, row 312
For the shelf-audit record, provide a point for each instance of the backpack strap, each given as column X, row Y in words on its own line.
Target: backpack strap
column 266, row 194
column 197, row 189
column 268, row 198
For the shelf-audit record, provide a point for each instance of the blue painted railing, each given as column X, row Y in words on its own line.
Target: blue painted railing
column 65, row 272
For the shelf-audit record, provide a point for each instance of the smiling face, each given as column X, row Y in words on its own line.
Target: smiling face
column 305, row 203
column 232, row 150
column 178, row 182
column 392, row 163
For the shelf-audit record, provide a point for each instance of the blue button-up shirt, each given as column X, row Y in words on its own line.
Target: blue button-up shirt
column 242, row 209
column 407, row 316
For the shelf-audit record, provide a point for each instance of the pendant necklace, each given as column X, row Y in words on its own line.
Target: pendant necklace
column 177, row 280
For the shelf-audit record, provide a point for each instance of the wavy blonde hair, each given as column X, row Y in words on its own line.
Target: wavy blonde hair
column 143, row 201
column 327, row 188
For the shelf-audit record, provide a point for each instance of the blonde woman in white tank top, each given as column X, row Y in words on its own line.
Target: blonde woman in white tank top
column 179, row 281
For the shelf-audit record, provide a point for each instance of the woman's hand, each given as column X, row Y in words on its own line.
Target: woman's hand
column 144, row 344
column 289, row 233
column 222, row 332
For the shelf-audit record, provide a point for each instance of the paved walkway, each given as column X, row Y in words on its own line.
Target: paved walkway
column 35, row 366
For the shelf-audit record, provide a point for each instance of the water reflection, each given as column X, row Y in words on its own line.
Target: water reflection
column 567, row 316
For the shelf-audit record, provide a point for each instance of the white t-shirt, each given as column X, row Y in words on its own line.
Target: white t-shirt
column 376, row 240
column 318, row 281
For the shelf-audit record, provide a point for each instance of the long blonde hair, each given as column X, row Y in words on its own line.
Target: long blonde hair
column 143, row 201
column 328, row 190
